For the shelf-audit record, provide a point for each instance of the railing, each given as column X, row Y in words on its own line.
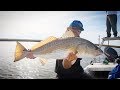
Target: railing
column 108, row 39
column 23, row 40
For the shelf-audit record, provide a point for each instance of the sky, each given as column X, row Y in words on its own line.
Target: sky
column 42, row 24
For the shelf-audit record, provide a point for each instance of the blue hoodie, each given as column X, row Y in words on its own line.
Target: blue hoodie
column 115, row 73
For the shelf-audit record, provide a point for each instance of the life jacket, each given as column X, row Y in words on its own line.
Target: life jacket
column 73, row 72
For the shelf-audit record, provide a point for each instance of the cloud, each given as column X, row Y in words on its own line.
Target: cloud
column 41, row 24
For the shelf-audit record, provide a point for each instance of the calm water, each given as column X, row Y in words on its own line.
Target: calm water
column 28, row 68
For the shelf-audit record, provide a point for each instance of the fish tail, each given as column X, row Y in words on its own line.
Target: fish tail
column 20, row 52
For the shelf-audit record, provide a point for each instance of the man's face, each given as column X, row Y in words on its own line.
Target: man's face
column 75, row 30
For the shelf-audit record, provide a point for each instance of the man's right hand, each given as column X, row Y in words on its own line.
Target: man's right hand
column 67, row 61
column 71, row 56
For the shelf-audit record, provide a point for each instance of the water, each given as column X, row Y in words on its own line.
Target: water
column 27, row 68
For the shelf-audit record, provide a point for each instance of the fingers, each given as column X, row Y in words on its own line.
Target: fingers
column 30, row 55
column 67, row 62
column 72, row 56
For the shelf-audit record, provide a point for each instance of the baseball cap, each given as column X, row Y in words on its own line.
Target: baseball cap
column 77, row 24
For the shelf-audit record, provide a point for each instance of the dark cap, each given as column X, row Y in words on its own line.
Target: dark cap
column 77, row 24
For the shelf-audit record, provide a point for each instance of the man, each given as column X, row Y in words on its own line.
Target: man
column 69, row 67
column 111, row 22
column 115, row 73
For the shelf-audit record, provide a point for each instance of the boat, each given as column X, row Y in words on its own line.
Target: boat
column 100, row 70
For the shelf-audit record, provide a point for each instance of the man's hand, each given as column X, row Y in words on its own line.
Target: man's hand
column 71, row 56
column 30, row 55
column 67, row 61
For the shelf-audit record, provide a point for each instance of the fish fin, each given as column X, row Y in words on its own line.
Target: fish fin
column 43, row 42
column 43, row 61
column 68, row 33
column 19, row 52
column 74, row 50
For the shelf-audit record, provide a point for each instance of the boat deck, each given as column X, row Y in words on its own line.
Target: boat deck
column 99, row 70
column 100, row 67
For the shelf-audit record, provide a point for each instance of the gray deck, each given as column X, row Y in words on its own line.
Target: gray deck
column 99, row 70
column 100, row 67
